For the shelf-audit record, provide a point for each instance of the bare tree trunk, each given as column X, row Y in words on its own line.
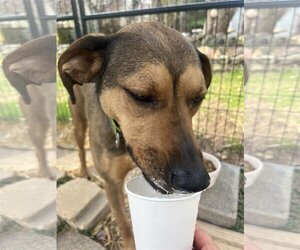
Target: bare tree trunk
column 262, row 21
column 158, row 3
column 217, row 21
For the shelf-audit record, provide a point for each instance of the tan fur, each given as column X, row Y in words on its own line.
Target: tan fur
column 139, row 125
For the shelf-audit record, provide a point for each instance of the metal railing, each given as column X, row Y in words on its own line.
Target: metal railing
column 83, row 17
column 28, row 16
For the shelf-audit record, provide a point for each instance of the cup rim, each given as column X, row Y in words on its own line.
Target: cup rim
column 214, row 160
column 258, row 166
column 254, row 161
column 182, row 198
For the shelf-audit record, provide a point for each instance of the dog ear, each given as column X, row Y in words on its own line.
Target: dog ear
column 32, row 63
column 82, row 61
column 206, row 67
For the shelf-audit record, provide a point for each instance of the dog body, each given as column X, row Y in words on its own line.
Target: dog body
column 87, row 112
column 149, row 81
column 111, row 163
column 31, row 70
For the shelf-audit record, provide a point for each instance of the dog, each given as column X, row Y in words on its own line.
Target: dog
column 140, row 89
column 31, row 70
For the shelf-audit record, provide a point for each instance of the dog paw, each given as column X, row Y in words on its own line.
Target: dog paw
column 84, row 174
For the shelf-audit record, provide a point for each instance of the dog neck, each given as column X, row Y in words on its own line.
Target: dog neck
column 117, row 132
column 110, row 130
column 99, row 122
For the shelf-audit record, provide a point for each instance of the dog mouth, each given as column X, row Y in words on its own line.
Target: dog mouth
column 159, row 185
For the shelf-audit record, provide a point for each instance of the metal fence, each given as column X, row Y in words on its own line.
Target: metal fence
column 272, row 94
column 35, row 18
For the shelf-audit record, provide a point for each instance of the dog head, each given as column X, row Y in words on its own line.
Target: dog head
column 151, row 81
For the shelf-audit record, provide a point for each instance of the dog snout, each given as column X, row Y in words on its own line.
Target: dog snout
column 189, row 180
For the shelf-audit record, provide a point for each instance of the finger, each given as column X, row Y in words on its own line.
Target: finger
column 203, row 240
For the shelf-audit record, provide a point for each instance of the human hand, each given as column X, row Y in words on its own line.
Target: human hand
column 203, row 241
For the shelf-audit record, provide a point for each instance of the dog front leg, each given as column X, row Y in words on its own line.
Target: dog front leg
column 116, row 171
column 37, row 131
column 115, row 197
column 80, row 127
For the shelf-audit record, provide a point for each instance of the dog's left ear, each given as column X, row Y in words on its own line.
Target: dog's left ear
column 83, row 60
column 32, row 63
column 206, row 67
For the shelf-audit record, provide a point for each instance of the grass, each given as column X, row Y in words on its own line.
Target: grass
column 280, row 91
column 219, row 124
column 9, row 106
column 226, row 88
column 10, row 111
column 11, row 180
column 273, row 101
column 63, row 112
column 63, row 180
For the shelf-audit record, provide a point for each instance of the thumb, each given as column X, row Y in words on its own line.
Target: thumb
column 203, row 240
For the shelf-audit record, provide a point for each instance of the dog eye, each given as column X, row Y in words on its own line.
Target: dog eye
column 196, row 101
column 140, row 97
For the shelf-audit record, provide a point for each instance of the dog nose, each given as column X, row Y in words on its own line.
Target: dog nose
column 189, row 180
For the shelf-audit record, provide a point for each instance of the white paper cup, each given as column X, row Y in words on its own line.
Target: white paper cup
column 252, row 175
column 161, row 222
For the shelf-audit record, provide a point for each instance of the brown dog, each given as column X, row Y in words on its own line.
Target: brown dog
column 31, row 70
column 140, row 90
